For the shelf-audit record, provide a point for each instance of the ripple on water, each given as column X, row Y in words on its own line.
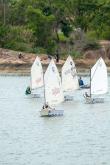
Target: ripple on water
column 80, row 137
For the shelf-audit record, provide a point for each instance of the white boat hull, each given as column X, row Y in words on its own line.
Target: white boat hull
column 84, row 87
column 68, row 98
column 32, row 95
column 90, row 100
column 51, row 112
column 35, row 95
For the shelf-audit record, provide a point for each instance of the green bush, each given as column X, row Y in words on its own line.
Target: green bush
column 62, row 37
column 51, row 47
column 17, row 38
column 21, row 34
column 19, row 46
column 103, row 33
column 91, row 35
column 39, row 50
column 4, row 30
column 75, row 54
column 106, row 35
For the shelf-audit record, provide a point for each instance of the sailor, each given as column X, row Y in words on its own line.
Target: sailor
column 86, row 95
column 81, row 83
column 45, row 106
column 28, row 90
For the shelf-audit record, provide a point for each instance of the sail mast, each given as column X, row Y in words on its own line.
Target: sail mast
column 44, row 92
column 90, row 82
column 31, row 82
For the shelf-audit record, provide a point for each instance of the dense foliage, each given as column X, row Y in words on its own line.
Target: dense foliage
column 53, row 26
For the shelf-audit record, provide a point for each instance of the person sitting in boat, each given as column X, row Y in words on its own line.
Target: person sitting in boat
column 81, row 83
column 45, row 106
column 28, row 90
column 86, row 95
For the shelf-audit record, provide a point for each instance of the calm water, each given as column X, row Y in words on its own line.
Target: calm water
column 80, row 137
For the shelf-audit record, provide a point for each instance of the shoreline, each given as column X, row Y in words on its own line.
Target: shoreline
column 24, row 70
column 8, row 71
column 13, row 64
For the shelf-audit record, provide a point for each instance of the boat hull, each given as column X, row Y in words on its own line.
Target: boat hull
column 90, row 100
column 68, row 98
column 84, row 87
column 35, row 95
column 51, row 112
column 32, row 95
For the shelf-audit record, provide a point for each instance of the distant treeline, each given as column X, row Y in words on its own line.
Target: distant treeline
column 54, row 26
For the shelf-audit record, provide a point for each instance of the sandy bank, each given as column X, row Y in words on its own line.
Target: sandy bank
column 12, row 62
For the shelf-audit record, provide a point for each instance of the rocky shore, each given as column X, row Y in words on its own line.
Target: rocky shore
column 13, row 62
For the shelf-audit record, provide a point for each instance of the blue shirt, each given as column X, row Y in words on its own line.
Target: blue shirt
column 81, row 82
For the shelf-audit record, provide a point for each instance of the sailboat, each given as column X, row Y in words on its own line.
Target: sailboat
column 53, row 94
column 36, row 81
column 69, row 78
column 98, row 82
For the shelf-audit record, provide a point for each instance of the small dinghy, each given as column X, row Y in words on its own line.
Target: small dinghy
column 53, row 94
column 98, row 83
column 36, row 82
column 49, row 112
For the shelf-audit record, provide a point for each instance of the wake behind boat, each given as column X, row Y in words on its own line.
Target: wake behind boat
column 98, row 83
column 53, row 94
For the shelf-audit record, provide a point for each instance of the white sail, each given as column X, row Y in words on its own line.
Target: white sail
column 69, row 76
column 52, row 82
column 36, row 74
column 99, row 81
